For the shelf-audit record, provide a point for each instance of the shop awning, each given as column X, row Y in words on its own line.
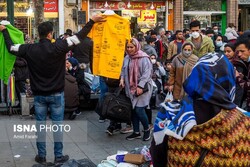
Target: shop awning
column 192, row 13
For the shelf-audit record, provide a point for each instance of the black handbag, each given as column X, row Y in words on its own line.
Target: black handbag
column 144, row 90
column 117, row 106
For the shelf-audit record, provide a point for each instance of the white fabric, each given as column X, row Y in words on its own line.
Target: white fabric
column 109, row 12
column 73, row 40
column 5, row 22
column 124, row 164
column 15, row 47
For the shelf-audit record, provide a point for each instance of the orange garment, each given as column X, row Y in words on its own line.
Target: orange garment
column 109, row 39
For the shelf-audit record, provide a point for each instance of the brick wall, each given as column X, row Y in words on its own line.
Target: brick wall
column 232, row 12
column 178, row 15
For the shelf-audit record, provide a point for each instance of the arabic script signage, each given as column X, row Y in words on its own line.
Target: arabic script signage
column 243, row 2
column 122, row 5
column 147, row 19
column 50, row 5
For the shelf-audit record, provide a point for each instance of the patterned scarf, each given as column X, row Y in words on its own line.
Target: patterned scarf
column 134, row 66
column 211, row 79
column 189, row 63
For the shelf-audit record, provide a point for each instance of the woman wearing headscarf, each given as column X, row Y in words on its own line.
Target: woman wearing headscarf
column 136, row 78
column 219, row 44
column 205, row 128
column 182, row 65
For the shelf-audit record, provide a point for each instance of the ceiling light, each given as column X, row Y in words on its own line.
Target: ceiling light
column 128, row 5
column 152, row 6
column 106, row 4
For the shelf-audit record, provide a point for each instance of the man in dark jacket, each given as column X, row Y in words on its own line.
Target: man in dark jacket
column 243, row 48
column 21, row 73
column 84, row 52
column 46, row 62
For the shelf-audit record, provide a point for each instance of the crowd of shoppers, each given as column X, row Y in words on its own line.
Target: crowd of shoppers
column 185, row 63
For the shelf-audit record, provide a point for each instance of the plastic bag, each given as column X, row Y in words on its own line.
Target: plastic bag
column 95, row 84
column 108, row 163
column 146, row 153
column 169, row 97
column 78, row 163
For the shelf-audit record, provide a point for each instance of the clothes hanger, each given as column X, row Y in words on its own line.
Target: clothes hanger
column 5, row 22
column 109, row 12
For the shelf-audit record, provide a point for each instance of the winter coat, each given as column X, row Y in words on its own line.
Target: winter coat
column 172, row 49
column 206, row 46
column 144, row 77
column 83, row 86
column 84, row 51
column 176, row 76
column 231, row 34
column 244, row 82
column 21, row 70
column 241, row 67
column 71, row 91
column 158, row 73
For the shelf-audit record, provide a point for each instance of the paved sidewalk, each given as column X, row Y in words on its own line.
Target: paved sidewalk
column 95, row 144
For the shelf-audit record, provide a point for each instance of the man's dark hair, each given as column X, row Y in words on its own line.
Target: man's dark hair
column 177, row 32
column 185, row 30
column 68, row 32
column 203, row 31
column 210, row 31
column 243, row 40
column 45, row 28
column 215, row 26
column 195, row 23
column 153, row 32
column 150, row 40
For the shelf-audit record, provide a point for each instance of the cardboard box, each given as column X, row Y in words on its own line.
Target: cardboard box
column 137, row 159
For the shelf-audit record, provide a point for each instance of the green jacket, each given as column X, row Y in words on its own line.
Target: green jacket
column 206, row 46
column 7, row 60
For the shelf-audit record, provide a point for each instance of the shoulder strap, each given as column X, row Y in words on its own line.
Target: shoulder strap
column 199, row 162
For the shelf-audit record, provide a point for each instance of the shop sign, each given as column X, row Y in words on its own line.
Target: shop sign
column 50, row 5
column 242, row 2
column 122, row 5
column 147, row 19
column 131, row 13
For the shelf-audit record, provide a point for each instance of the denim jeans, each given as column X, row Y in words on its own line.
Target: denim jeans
column 103, row 88
column 139, row 114
column 55, row 103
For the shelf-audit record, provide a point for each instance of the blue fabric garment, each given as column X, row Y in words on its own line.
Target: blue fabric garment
column 212, row 79
column 55, row 102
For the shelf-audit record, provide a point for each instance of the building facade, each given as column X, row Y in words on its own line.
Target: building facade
column 244, row 14
column 208, row 12
column 24, row 14
column 144, row 15
column 171, row 14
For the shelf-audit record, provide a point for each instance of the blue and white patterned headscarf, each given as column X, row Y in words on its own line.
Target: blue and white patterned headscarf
column 212, row 79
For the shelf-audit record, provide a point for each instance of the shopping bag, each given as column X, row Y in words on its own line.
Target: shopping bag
column 169, row 97
column 117, row 106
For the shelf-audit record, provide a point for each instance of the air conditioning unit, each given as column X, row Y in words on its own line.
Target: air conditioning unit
column 74, row 13
column 71, row 2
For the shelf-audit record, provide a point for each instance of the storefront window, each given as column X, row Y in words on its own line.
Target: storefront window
column 19, row 6
column 201, row 5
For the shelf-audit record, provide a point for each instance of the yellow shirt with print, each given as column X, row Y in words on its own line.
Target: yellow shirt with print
column 109, row 39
